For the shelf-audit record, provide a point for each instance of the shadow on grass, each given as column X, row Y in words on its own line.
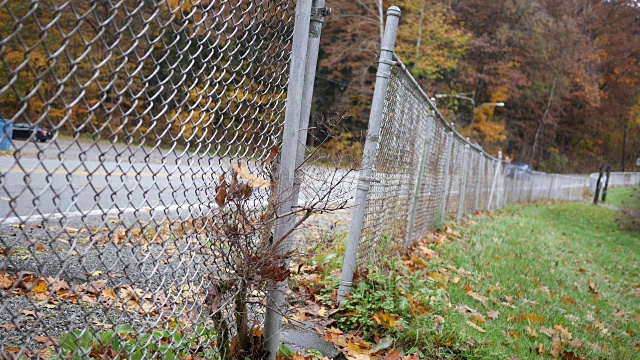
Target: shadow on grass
column 628, row 217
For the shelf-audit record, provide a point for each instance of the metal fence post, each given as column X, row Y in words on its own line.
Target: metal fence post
column 463, row 187
column 480, row 173
column 606, row 184
column 495, row 180
column 369, row 152
column 293, row 112
column 418, row 187
column 596, row 198
column 447, row 176
column 505, row 199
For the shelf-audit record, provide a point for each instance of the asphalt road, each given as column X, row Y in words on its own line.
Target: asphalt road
column 64, row 179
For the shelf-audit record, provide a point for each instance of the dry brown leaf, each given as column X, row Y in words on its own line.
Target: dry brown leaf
column 386, row 320
column 531, row 332
column 221, row 192
column 492, row 314
column 272, row 154
column 5, row 282
column 515, row 334
column 592, row 287
column 476, row 326
column 565, row 334
column 478, row 319
column 30, row 313
column 556, row 347
column 40, row 287
column 435, row 276
column 534, row 318
column 549, row 332
column 7, row 327
column 478, row 297
column 568, row 300
column 252, row 180
column 540, row 349
column 47, row 341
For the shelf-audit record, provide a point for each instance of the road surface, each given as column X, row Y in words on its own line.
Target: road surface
column 64, row 179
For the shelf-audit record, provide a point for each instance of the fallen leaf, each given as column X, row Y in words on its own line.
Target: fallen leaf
column 492, row 314
column 515, row 334
column 272, row 154
column 531, row 332
column 383, row 344
column 534, row 318
column 592, row 288
column 565, row 334
column 95, row 273
column 221, row 192
column 40, row 287
column 29, row 313
column 540, row 349
column 7, row 327
column 556, row 347
column 476, row 326
column 47, row 341
column 478, row 319
column 386, row 320
column 478, row 297
column 252, row 180
column 570, row 355
column 549, row 332
column 619, row 313
column 568, row 300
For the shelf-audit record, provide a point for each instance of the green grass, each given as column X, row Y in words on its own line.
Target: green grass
column 627, row 198
column 549, row 280
column 564, row 264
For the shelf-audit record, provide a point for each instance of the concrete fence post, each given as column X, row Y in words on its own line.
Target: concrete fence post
column 446, row 175
column 369, row 152
column 552, row 185
column 417, row 190
column 463, row 186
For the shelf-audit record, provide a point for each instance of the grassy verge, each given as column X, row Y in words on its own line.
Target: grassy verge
column 628, row 198
column 540, row 281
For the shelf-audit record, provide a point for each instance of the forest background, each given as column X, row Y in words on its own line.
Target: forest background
column 568, row 72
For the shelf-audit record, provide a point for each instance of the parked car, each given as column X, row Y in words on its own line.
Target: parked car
column 22, row 131
column 519, row 170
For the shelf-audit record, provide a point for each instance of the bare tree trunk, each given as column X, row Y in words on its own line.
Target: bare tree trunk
column 627, row 130
column 380, row 18
column 419, row 41
column 544, row 118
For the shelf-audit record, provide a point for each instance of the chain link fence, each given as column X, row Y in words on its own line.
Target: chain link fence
column 144, row 138
column 458, row 177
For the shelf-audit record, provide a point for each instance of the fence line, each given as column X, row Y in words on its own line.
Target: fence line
column 135, row 228
column 154, row 218
column 406, row 199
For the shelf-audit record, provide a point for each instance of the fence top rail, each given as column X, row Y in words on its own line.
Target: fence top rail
column 439, row 116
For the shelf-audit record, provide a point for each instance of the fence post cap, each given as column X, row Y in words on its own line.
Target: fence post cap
column 394, row 11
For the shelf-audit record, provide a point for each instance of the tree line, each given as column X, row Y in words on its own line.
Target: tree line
column 568, row 72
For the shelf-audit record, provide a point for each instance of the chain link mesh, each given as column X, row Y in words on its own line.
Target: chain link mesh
column 114, row 240
column 488, row 182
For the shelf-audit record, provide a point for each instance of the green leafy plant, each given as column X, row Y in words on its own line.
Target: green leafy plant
column 124, row 342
